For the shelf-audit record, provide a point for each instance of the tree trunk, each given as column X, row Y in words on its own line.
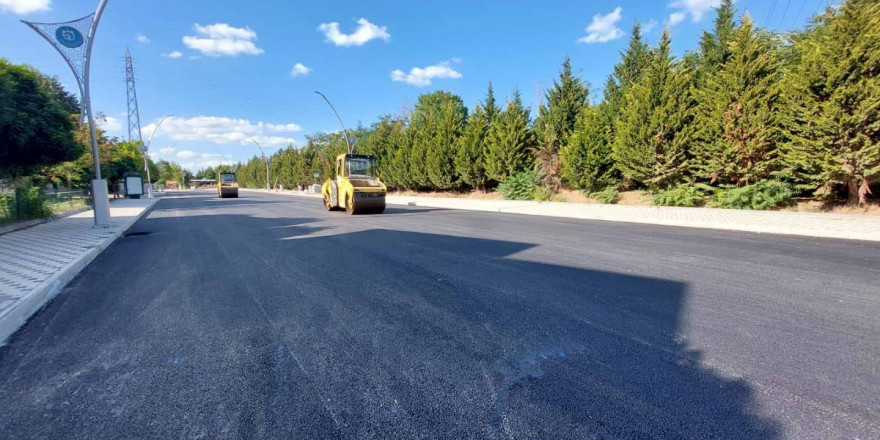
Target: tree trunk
column 852, row 185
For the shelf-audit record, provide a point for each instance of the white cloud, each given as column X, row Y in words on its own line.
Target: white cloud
column 697, row 9
column 422, row 76
column 299, row 69
column 166, row 150
column 603, row 28
column 676, row 18
column 222, row 130
column 282, row 128
column 173, row 54
column 649, row 26
column 193, row 160
column 142, row 38
column 204, row 160
column 22, row 7
column 109, row 124
column 365, row 32
column 221, row 39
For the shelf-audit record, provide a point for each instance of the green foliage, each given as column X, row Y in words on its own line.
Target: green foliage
column 585, row 160
column 23, row 203
column 556, row 120
column 509, row 141
column 684, row 195
column 606, row 196
column 36, row 129
column 833, row 100
column 654, row 130
column 524, row 185
column 765, row 194
column 470, row 149
column 714, row 47
column 437, row 121
column 738, row 119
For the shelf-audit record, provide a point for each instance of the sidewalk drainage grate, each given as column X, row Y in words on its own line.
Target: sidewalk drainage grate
column 137, row 234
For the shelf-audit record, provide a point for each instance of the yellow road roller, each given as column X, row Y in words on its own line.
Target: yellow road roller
column 356, row 188
column 227, row 186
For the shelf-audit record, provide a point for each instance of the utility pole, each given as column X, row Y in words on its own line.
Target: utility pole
column 134, row 116
column 265, row 158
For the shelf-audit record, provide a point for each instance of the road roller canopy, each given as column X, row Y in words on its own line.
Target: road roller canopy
column 356, row 165
column 227, row 177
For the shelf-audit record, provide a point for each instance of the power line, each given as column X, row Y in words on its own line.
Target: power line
column 784, row 12
column 770, row 13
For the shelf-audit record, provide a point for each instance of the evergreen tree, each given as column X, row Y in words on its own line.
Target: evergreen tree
column 438, row 119
column 738, row 115
column 490, row 106
column 509, row 141
column 654, row 130
column 715, row 47
column 470, row 151
column 632, row 62
column 565, row 100
column 586, row 158
column 834, row 100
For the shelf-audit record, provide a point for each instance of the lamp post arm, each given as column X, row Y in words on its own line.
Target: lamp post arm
column 344, row 130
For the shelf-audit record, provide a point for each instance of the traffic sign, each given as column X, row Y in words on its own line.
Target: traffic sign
column 69, row 37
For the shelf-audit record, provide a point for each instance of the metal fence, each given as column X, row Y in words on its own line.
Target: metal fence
column 37, row 204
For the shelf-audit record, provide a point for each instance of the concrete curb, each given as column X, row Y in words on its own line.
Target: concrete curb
column 820, row 225
column 40, row 296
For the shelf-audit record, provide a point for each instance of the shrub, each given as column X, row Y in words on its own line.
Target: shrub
column 520, row 186
column 765, row 194
column 543, row 194
column 606, row 196
column 685, row 195
column 525, row 186
column 24, row 203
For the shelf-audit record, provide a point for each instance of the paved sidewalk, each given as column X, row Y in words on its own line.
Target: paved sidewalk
column 37, row 262
column 848, row 226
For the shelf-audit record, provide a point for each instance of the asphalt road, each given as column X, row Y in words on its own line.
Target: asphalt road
column 268, row 317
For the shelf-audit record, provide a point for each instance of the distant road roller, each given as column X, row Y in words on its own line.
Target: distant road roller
column 356, row 189
column 227, row 186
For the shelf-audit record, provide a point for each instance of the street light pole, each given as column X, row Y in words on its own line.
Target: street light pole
column 145, row 149
column 67, row 38
column 344, row 131
column 265, row 158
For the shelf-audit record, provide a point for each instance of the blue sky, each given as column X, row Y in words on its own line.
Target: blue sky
column 230, row 70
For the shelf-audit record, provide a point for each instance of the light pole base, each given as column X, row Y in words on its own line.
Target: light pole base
column 101, row 203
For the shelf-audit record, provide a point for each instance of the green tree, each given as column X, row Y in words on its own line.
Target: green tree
column 565, row 100
column 833, row 94
column 715, row 46
column 490, row 106
column 35, row 129
column 586, row 157
column 437, row 121
column 654, row 130
column 470, row 155
column 629, row 70
column 509, row 141
column 738, row 123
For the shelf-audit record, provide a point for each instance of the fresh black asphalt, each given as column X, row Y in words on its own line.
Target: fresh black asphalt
column 268, row 317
